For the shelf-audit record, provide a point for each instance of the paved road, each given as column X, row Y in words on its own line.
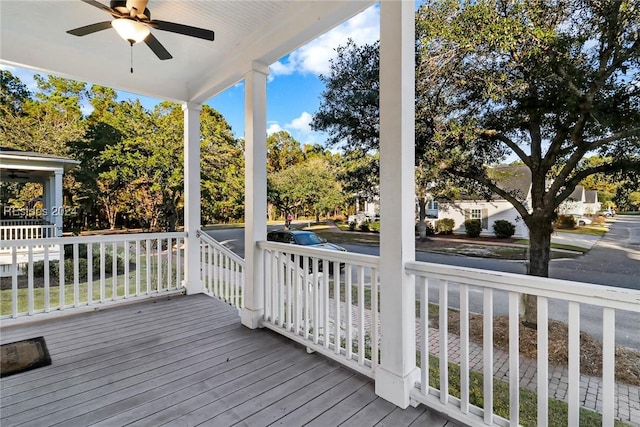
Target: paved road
column 614, row 260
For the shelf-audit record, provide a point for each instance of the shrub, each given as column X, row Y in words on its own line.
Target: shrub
column 54, row 268
column 364, row 226
column 445, row 226
column 473, row 227
column 352, row 226
column 565, row 222
column 503, row 229
column 374, row 226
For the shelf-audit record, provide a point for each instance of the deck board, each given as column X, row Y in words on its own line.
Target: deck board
column 185, row 360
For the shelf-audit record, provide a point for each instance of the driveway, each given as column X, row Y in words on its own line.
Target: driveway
column 614, row 260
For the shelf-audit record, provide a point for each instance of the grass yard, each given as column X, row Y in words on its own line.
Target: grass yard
column 113, row 288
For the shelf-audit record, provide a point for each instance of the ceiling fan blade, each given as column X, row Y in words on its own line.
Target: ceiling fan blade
column 88, row 29
column 98, row 5
column 186, row 30
column 157, row 47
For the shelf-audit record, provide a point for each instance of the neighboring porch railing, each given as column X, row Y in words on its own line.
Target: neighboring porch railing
column 221, row 271
column 72, row 272
column 326, row 300
column 26, row 231
column 486, row 288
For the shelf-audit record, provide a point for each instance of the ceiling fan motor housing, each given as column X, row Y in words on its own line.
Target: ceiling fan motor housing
column 133, row 8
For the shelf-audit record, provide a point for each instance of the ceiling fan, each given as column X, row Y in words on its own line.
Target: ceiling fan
column 14, row 176
column 132, row 22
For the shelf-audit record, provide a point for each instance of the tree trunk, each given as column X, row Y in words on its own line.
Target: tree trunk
column 422, row 208
column 540, row 230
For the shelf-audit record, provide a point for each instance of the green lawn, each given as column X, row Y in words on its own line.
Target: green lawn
column 111, row 291
column 588, row 230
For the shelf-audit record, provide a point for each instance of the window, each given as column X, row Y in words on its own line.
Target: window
column 481, row 214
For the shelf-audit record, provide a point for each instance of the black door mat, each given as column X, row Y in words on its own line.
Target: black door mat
column 23, row 356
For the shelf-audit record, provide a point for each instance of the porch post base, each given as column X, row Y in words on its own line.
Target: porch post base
column 193, row 288
column 394, row 388
column 252, row 319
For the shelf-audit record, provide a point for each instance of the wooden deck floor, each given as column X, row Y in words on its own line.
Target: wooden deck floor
column 186, row 361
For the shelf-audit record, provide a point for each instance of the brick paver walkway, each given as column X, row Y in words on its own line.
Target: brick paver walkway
column 628, row 396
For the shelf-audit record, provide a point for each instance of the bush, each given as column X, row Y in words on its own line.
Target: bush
column 429, row 230
column 352, row 226
column 54, row 268
column 565, row 222
column 364, row 226
column 503, row 229
column 473, row 227
column 374, row 226
column 445, row 226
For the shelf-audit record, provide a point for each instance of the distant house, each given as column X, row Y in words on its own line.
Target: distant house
column 591, row 204
column 514, row 179
column 575, row 204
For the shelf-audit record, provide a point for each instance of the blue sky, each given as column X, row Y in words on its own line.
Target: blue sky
column 293, row 88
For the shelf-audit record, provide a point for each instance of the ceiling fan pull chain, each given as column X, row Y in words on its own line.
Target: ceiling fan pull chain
column 131, row 60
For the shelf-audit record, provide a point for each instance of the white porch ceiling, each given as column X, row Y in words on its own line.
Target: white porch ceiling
column 33, row 35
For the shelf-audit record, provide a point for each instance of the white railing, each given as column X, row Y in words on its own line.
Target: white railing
column 324, row 299
column 23, row 221
column 221, row 271
column 74, row 272
column 486, row 289
column 26, row 231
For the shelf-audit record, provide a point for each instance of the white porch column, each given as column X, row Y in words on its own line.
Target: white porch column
column 398, row 372
column 47, row 195
column 192, row 197
column 255, row 210
column 58, row 209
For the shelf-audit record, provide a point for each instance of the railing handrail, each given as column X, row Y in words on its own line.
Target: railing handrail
column 587, row 293
column 335, row 256
column 24, row 221
column 19, row 226
column 110, row 238
column 222, row 248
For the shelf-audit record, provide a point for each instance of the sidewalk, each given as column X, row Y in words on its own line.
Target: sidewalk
column 579, row 240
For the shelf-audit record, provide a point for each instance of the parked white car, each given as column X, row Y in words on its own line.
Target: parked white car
column 583, row 220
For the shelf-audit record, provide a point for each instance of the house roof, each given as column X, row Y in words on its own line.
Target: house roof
column 591, row 196
column 578, row 194
column 29, row 166
column 248, row 35
column 516, row 179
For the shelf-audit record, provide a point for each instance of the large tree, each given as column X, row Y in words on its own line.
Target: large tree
column 348, row 112
column 548, row 82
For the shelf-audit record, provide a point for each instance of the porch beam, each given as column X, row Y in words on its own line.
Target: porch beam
column 255, row 215
column 398, row 372
column 192, row 281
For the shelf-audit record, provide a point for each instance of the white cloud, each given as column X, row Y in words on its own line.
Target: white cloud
column 301, row 123
column 273, row 128
column 313, row 58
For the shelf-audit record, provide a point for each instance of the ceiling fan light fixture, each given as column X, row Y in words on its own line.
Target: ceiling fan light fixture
column 130, row 30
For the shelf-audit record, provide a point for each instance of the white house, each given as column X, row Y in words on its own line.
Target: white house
column 575, row 204
column 31, row 222
column 516, row 180
column 591, row 205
